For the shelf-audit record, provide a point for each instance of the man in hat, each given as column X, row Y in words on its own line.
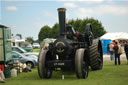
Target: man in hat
column 118, row 51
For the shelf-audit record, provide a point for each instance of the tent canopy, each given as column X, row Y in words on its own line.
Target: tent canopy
column 115, row 36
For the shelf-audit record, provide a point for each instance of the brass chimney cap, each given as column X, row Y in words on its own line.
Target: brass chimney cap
column 61, row 9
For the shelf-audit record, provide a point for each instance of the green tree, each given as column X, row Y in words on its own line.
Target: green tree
column 45, row 32
column 78, row 24
column 29, row 39
column 55, row 31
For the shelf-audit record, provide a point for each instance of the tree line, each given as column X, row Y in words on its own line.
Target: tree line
column 78, row 24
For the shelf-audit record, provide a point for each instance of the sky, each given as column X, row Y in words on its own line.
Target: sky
column 26, row 17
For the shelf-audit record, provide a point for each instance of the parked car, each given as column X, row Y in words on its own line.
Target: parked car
column 26, row 46
column 28, row 60
column 21, row 50
column 36, row 45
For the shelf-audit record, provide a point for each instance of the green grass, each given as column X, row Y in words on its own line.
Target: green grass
column 36, row 50
column 109, row 75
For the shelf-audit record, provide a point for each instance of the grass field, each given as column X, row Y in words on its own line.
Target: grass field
column 36, row 50
column 109, row 75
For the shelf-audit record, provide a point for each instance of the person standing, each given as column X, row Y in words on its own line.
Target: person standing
column 118, row 51
column 108, row 49
column 126, row 50
column 111, row 51
column 113, row 42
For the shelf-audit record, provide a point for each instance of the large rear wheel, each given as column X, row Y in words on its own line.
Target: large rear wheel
column 96, row 55
column 81, row 65
column 43, row 70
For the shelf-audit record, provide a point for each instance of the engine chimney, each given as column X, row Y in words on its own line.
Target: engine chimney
column 62, row 25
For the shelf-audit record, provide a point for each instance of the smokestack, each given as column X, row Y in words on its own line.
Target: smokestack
column 62, row 25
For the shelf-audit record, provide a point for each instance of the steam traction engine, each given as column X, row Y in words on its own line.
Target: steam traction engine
column 71, row 51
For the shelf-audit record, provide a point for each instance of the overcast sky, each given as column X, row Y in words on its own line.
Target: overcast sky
column 28, row 16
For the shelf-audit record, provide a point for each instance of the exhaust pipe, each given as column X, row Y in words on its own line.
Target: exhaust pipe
column 62, row 25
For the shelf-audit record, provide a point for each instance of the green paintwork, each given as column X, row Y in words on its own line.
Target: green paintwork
column 5, row 44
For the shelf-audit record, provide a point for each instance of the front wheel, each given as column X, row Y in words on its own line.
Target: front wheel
column 43, row 70
column 81, row 66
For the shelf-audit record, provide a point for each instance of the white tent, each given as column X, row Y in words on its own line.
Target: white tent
column 115, row 36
